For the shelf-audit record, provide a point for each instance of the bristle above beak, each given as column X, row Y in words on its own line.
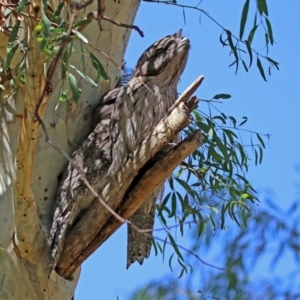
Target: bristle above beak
column 178, row 34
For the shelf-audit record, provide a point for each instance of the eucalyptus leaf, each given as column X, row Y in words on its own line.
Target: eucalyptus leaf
column 244, row 18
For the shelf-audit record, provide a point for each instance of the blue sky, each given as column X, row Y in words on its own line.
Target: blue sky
column 272, row 108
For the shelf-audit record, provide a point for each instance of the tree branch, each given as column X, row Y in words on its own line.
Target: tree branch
column 87, row 234
column 158, row 173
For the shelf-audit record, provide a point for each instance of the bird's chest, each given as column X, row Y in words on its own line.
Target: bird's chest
column 146, row 108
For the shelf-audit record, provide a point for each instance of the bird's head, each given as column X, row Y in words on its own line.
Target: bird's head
column 165, row 59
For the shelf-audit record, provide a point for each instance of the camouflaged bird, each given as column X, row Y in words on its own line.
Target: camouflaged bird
column 138, row 109
column 124, row 118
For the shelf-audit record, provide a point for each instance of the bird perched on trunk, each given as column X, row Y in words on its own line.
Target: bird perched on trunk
column 138, row 109
column 124, row 118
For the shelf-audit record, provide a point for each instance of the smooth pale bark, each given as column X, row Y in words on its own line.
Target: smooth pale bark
column 29, row 167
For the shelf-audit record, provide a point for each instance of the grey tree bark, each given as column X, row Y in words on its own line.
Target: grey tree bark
column 29, row 167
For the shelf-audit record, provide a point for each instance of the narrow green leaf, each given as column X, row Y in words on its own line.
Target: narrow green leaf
column 57, row 30
column 267, row 40
column 214, row 209
column 45, row 5
column 262, row 7
column 197, row 116
column 170, row 262
column 221, row 147
column 222, row 96
column 158, row 246
column 98, row 66
column 244, row 18
column 245, row 196
column 56, row 19
column 251, row 34
column 233, row 121
column 10, row 56
column 63, row 96
column 255, row 20
column 76, row 92
column 83, row 55
column 261, row 69
column 250, row 52
column 80, row 36
column 219, row 118
column 244, row 64
column 229, row 135
column 173, row 205
column 82, row 23
column 190, row 164
column 204, row 127
column 184, row 269
column 37, row 30
column 201, row 225
column 211, row 132
column 13, row 34
column 185, row 186
column 181, row 273
column 242, row 178
column 242, row 154
column 233, row 48
column 275, row 63
column 47, row 25
column 233, row 63
column 164, row 202
column 261, row 140
column 59, row 8
column 212, row 222
column 223, row 210
column 221, row 40
column 270, row 31
column 87, row 78
column 261, row 155
column 232, row 213
column 171, row 183
column 21, row 5
column 64, row 64
column 172, row 241
column 71, row 48
column 243, row 122
column 155, row 247
column 43, row 43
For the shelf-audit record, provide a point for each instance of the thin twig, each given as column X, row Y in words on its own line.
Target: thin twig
column 184, row 165
column 94, row 15
column 101, row 10
column 190, row 252
column 178, row 245
column 174, row 3
column 125, row 25
column 185, row 96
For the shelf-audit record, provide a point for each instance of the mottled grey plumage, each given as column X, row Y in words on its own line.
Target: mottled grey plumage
column 94, row 157
column 138, row 109
column 124, row 118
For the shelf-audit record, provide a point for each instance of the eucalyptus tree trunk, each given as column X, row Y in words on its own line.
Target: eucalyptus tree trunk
column 29, row 167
